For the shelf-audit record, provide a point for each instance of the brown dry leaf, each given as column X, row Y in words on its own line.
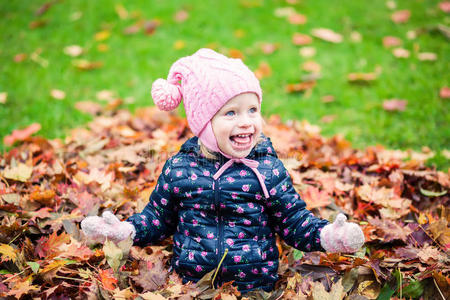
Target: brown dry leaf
column 400, row 53
column 150, row 26
column 328, row 98
column 89, row 107
column 37, row 24
column 427, row 56
column 86, row 65
column 361, row 77
column 152, row 296
column 394, row 105
column 264, row 70
column 152, row 275
column 3, row 97
column 106, row 95
column 311, row 66
column 391, row 41
column 444, row 93
column 300, row 39
column 299, row 87
column 22, row 287
column 401, row 16
column 297, row 19
column 22, row 134
column 57, row 94
column 20, row 172
column 390, row 229
column 132, row 29
column 336, row 292
column 440, row 231
column 327, row 35
column 73, row 50
column 181, row 16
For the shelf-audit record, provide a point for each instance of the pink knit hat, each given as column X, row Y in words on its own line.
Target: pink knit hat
column 205, row 81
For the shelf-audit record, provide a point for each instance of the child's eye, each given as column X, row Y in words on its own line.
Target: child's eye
column 253, row 110
column 229, row 113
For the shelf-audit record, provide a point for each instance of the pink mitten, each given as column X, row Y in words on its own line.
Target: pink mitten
column 341, row 236
column 107, row 226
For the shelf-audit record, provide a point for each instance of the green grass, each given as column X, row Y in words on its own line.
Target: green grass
column 133, row 62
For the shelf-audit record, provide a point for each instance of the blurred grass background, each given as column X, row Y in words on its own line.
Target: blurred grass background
column 131, row 62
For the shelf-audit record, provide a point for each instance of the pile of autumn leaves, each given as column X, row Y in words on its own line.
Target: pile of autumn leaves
column 48, row 186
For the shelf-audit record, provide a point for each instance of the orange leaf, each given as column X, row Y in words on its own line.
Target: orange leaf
column 263, row 70
column 394, row 105
column 401, row 16
column 444, row 93
column 107, row 278
column 300, row 39
column 314, row 197
column 235, row 53
column 20, row 135
column 300, row 87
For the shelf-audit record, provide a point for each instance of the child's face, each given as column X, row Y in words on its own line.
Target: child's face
column 237, row 125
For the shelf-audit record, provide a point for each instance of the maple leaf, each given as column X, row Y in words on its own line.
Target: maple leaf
column 22, row 288
column 8, row 252
column 89, row 107
column 20, row 135
column 151, row 275
column 315, row 198
column 18, row 171
column 107, row 279
column 390, row 230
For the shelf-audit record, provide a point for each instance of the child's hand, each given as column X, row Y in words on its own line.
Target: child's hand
column 107, row 226
column 341, row 236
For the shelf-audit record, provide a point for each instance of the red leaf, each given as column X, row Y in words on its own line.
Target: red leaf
column 107, row 279
column 20, row 135
column 444, row 93
column 314, row 198
column 395, row 105
column 401, row 16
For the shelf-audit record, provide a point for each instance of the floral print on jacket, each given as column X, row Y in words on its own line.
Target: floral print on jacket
column 208, row 216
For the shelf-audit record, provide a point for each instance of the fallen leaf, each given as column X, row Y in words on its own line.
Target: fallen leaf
column 37, row 24
column 283, row 12
column 328, row 118
column 394, row 105
column 391, row 4
column 107, row 279
column 311, row 66
column 58, row 94
column 20, row 172
column 427, row 56
column 328, row 98
column 355, row 37
column 391, row 41
column 121, row 11
column 179, row 44
column 18, row 58
column 106, row 95
column 269, row 48
column 181, row 16
column 102, row 35
column 44, row 8
column 73, row 50
column 150, row 26
column 314, row 197
column 444, row 93
column 235, row 53
column 3, row 97
column 263, row 71
column 307, row 51
column 299, row 87
column 400, row 53
column 401, row 16
column 336, row 292
column 445, row 6
column 89, row 107
column 327, row 35
column 361, row 77
column 20, row 135
column 8, row 253
column 239, row 33
column 297, row 19
column 300, row 39
column 86, row 65
column 22, row 287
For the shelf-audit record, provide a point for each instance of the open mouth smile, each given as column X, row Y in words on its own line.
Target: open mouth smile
column 242, row 141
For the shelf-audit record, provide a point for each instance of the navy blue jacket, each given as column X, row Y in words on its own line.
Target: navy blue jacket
column 209, row 218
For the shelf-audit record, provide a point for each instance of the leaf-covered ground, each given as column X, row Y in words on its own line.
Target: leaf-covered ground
column 48, row 186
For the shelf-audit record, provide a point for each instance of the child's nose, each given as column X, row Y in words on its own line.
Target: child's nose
column 244, row 121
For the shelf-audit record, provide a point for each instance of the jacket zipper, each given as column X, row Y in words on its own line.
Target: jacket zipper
column 220, row 227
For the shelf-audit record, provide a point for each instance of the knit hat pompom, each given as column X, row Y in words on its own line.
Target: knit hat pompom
column 166, row 96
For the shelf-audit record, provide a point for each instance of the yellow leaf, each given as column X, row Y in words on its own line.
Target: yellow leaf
column 54, row 265
column 20, row 172
column 102, row 35
column 8, row 252
column 178, row 45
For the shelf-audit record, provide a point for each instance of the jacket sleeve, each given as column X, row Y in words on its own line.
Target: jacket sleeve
column 289, row 217
column 158, row 219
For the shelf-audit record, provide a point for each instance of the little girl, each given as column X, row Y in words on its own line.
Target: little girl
column 225, row 194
